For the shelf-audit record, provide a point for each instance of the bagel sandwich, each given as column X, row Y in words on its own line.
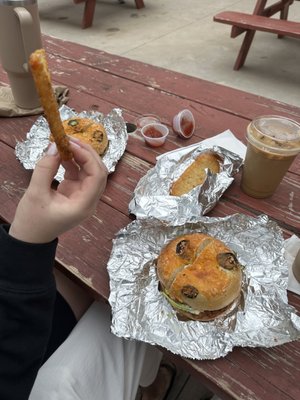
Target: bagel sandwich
column 199, row 276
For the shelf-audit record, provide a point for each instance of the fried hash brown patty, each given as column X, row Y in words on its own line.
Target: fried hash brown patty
column 88, row 131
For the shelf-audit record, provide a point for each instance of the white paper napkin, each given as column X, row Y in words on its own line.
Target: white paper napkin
column 225, row 139
column 292, row 245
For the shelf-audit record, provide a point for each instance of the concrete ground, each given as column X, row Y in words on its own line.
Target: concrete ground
column 180, row 35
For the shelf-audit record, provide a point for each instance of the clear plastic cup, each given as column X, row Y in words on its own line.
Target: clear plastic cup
column 146, row 119
column 155, row 134
column 184, row 124
column 273, row 144
column 296, row 267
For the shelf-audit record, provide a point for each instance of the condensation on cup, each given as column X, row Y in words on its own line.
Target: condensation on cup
column 273, row 144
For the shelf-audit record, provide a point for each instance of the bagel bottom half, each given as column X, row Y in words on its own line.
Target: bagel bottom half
column 200, row 276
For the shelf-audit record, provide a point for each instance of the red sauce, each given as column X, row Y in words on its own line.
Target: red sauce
column 187, row 126
column 153, row 133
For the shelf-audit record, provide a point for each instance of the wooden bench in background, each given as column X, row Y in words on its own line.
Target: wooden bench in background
column 259, row 21
column 89, row 10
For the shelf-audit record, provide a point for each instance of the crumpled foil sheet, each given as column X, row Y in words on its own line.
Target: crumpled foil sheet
column 32, row 149
column 151, row 196
column 263, row 317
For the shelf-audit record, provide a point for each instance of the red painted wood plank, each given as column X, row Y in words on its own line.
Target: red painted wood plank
column 217, row 96
column 241, row 374
column 250, row 373
column 211, row 117
column 220, row 375
column 118, row 194
column 284, row 204
column 74, row 251
column 259, row 23
column 127, row 95
column 13, row 182
column 117, row 91
column 265, row 367
column 84, row 251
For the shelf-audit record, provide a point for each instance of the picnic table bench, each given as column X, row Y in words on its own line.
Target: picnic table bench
column 259, row 21
column 89, row 10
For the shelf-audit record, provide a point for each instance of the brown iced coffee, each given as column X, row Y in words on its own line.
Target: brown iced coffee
column 273, row 144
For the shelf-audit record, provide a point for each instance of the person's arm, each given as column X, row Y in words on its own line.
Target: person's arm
column 27, row 251
column 27, row 294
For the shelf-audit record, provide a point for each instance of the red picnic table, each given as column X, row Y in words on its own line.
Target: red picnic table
column 101, row 81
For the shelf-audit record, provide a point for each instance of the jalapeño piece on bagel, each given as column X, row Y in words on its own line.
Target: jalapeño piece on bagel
column 199, row 275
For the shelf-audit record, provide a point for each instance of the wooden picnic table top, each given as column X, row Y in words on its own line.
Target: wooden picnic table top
column 101, row 81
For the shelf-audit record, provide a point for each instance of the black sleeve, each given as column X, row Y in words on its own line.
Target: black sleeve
column 27, row 296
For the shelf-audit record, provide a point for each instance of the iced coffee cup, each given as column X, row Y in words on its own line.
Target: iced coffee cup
column 273, row 144
column 20, row 35
column 296, row 267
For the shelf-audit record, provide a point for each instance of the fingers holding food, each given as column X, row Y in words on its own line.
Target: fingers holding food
column 41, row 76
column 87, row 131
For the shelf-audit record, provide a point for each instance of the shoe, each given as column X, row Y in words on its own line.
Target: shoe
column 162, row 384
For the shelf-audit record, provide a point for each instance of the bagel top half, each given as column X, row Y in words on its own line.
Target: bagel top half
column 88, row 131
column 199, row 274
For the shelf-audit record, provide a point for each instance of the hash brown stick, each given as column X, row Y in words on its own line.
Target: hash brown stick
column 41, row 76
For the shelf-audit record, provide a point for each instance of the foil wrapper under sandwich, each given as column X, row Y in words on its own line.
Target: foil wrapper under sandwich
column 263, row 317
column 32, row 149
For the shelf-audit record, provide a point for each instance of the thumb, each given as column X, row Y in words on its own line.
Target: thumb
column 46, row 169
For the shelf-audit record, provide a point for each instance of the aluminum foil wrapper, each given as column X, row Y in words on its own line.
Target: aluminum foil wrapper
column 37, row 139
column 151, row 196
column 263, row 317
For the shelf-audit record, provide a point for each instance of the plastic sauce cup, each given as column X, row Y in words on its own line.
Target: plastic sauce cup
column 155, row 134
column 146, row 120
column 184, row 124
column 273, row 144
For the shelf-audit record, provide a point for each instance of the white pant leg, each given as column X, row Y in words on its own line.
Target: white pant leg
column 95, row 364
column 150, row 366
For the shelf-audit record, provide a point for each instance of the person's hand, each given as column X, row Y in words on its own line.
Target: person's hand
column 44, row 213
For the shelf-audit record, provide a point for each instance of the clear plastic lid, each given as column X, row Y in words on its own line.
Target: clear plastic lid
column 17, row 2
column 147, row 119
column 275, row 133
